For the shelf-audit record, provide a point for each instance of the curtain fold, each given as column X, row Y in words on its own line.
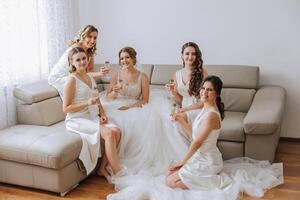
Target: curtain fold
column 33, row 35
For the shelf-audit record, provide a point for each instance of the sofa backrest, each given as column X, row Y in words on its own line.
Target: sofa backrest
column 239, row 82
column 41, row 104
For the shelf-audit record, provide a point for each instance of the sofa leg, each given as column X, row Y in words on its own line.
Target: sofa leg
column 62, row 194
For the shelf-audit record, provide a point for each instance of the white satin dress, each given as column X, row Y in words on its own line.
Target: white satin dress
column 59, row 73
column 187, row 100
column 86, row 123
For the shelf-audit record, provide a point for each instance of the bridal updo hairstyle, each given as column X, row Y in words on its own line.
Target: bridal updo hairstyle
column 130, row 51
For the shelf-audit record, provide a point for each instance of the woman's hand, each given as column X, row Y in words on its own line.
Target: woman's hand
column 124, row 108
column 175, row 166
column 103, row 119
column 93, row 101
column 182, row 110
column 170, row 87
column 117, row 88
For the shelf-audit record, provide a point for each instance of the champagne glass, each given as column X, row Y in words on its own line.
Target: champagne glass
column 106, row 68
column 119, row 84
column 171, row 84
column 95, row 92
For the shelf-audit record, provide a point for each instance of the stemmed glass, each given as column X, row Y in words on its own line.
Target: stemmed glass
column 170, row 85
column 119, row 84
column 106, row 68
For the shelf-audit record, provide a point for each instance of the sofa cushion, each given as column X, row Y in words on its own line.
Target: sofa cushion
column 163, row 73
column 237, row 99
column 232, row 127
column 35, row 92
column 42, row 113
column 236, row 76
column 51, row 147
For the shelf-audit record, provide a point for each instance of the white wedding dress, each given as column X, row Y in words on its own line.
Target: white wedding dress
column 148, row 140
column 203, row 174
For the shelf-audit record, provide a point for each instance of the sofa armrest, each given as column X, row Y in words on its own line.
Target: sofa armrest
column 265, row 113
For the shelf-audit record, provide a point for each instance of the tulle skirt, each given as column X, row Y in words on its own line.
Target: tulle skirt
column 247, row 176
column 150, row 142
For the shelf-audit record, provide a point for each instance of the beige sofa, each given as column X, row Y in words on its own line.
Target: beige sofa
column 40, row 153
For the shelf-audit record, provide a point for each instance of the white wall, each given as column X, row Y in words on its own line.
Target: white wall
column 251, row 32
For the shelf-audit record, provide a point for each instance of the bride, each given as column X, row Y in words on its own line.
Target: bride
column 148, row 142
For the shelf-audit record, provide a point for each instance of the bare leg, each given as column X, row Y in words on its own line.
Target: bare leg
column 185, row 117
column 173, row 181
column 104, row 162
column 108, row 134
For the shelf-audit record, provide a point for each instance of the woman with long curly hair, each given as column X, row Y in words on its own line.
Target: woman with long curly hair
column 187, row 82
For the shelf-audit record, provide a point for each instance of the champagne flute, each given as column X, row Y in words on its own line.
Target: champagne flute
column 106, row 68
column 119, row 84
column 169, row 85
column 95, row 92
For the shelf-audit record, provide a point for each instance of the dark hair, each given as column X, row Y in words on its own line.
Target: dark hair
column 217, row 84
column 82, row 34
column 72, row 52
column 130, row 51
column 197, row 70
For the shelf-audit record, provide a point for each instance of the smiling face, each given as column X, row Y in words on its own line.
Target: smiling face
column 90, row 39
column 208, row 93
column 126, row 61
column 80, row 61
column 189, row 56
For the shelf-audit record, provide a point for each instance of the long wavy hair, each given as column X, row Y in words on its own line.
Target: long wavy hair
column 72, row 52
column 81, row 35
column 218, row 85
column 197, row 70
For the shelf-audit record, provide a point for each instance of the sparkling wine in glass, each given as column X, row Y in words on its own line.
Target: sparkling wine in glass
column 106, row 68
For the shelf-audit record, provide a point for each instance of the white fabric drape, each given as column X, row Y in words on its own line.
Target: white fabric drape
column 33, row 35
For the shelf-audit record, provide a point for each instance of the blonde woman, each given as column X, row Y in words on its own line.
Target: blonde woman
column 86, row 116
column 87, row 40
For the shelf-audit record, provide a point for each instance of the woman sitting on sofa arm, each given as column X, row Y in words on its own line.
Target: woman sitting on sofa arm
column 86, row 116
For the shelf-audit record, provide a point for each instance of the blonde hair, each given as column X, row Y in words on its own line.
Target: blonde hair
column 71, row 53
column 81, row 35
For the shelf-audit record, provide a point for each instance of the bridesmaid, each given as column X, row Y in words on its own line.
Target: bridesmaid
column 187, row 81
column 200, row 167
column 86, row 116
column 86, row 39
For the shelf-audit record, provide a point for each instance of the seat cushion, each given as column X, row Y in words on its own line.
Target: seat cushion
column 232, row 127
column 51, row 147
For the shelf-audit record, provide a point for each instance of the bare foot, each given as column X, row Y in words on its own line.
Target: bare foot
column 103, row 172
